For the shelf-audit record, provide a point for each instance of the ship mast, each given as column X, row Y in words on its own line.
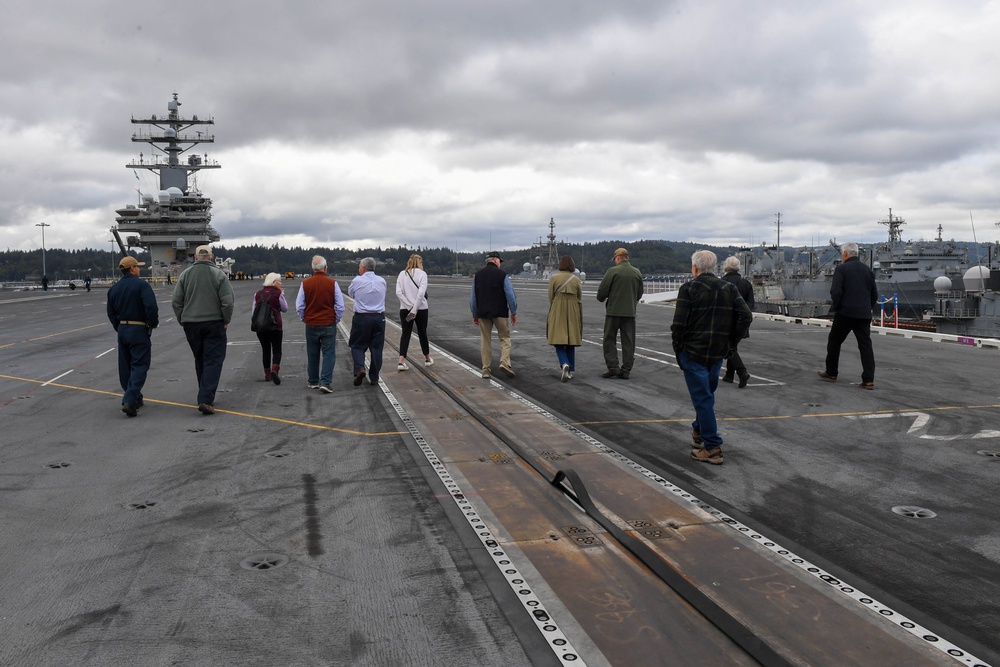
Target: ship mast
column 553, row 249
column 895, row 226
column 172, row 142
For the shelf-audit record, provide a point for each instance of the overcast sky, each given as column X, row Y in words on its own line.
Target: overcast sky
column 471, row 123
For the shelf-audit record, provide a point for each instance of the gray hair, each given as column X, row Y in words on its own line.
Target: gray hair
column 319, row 263
column 731, row 264
column 849, row 249
column 368, row 263
column 705, row 260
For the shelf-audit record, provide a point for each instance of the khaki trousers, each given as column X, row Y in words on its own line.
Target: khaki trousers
column 485, row 345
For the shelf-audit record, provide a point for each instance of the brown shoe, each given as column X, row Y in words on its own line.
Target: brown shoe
column 867, row 385
column 508, row 371
column 713, row 456
column 828, row 378
column 696, row 440
column 359, row 377
column 206, row 409
column 610, row 373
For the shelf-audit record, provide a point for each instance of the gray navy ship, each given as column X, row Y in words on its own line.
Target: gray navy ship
column 904, row 270
column 178, row 219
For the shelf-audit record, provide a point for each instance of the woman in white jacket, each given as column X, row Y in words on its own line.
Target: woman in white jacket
column 411, row 290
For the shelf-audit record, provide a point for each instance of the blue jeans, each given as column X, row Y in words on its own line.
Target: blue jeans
column 367, row 333
column 702, row 382
column 321, row 340
column 208, row 344
column 134, row 355
column 566, row 355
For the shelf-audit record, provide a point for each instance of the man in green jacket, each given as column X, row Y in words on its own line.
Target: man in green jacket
column 620, row 291
column 203, row 304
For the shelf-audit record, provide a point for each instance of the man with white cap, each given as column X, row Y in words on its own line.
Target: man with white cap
column 134, row 314
column 203, row 304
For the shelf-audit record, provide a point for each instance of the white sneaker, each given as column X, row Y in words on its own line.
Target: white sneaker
column 312, row 386
column 326, row 389
column 428, row 362
column 401, row 366
column 565, row 372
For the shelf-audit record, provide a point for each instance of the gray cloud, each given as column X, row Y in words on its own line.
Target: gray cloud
column 465, row 123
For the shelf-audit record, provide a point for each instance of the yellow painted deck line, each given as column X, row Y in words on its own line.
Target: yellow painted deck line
column 218, row 410
column 59, row 333
column 802, row 416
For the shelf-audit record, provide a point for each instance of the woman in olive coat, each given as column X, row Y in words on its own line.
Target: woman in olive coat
column 564, row 326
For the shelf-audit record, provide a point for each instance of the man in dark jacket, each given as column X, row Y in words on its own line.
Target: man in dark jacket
column 492, row 301
column 620, row 291
column 731, row 274
column 854, row 296
column 711, row 317
column 134, row 314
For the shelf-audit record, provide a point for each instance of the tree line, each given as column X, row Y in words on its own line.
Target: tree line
column 649, row 256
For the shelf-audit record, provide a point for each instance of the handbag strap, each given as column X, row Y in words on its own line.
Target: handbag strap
column 563, row 286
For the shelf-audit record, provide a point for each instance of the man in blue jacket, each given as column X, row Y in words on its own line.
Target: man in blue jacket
column 134, row 314
column 854, row 296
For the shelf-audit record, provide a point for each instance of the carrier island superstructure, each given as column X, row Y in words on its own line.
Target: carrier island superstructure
column 171, row 224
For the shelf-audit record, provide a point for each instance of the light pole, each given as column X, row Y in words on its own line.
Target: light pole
column 43, row 225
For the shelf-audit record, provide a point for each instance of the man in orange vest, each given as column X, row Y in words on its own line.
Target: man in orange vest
column 320, row 304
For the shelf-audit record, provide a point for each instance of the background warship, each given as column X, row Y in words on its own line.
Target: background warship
column 800, row 285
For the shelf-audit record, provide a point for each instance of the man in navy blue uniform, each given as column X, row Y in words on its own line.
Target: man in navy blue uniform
column 134, row 314
column 854, row 295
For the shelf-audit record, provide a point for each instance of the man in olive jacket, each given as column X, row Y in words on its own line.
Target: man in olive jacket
column 203, row 304
column 620, row 291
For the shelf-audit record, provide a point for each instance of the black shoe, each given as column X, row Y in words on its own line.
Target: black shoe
column 359, row 377
column 129, row 409
column 274, row 377
column 139, row 404
column 623, row 375
column 206, row 409
column 728, row 377
column 744, row 378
